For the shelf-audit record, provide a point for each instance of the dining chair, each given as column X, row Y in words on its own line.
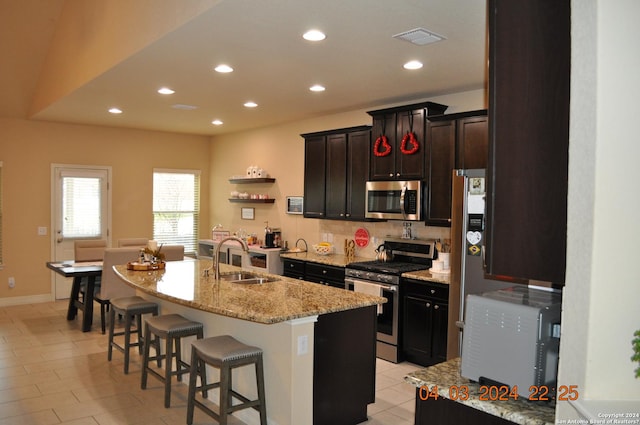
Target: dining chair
column 133, row 242
column 112, row 286
column 173, row 252
column 89, row 250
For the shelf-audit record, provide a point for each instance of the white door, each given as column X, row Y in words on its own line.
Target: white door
column 81, row 210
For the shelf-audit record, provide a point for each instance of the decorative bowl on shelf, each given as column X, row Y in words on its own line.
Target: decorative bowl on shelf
column 323, row 248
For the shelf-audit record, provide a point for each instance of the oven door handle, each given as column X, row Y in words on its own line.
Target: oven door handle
column 390, row 288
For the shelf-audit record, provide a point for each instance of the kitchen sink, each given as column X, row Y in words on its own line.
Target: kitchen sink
column 246, row 277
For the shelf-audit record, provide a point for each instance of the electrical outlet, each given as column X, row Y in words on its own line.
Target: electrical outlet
column 12, row 282
column 42, row 231
column 303, row 345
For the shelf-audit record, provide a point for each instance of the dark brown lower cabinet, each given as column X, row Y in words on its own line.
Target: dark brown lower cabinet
column 447, row 412
column 425, row 318
column 344, row 366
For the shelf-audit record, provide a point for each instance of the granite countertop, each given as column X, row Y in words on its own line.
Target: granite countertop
column 447, row 375
column 428, row 276
column 285, row 299
column 338, row 260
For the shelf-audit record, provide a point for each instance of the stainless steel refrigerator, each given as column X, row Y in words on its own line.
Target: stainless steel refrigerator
column 467, row 240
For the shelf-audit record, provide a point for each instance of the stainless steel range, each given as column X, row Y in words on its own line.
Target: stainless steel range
column 383, row 278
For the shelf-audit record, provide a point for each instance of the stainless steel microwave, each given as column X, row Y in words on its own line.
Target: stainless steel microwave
column 394, row 200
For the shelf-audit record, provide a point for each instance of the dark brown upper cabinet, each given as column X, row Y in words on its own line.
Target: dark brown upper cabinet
column 336, row 171
column 456, row 141
column 388, row 162
column 527, row 173
column 314, row 175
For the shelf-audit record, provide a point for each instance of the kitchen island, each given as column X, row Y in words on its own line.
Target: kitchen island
column 318, row 341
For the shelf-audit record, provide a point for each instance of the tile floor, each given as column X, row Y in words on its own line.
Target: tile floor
column 52, row 373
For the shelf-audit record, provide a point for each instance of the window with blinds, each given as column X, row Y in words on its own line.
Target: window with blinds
column 176, row 208
column 81, row 207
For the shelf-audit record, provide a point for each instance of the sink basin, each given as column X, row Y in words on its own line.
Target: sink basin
column 246, row 277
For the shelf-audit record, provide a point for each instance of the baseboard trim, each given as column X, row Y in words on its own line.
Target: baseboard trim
column 31, row 299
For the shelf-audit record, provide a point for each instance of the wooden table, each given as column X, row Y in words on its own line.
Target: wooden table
column 78, row 271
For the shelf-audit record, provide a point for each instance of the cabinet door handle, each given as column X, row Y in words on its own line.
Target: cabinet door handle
column 435, row 307
column 324, row 272
column 390, row 174
column 433, row 291
column 397, row 174
column 428, row 304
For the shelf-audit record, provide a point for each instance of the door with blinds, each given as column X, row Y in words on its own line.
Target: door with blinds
column 81, row 211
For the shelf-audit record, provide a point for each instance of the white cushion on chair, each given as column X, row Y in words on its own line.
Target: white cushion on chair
column 112, row 285
column 133, row 242
column 89, row 250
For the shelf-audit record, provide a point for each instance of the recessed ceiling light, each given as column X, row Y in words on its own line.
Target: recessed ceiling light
column 222, row 68
column 317, row 87
column 412, row 65
column 115, row 110
column 165, row 90
column 314, row 35
column 250, row 104
column 217, row 122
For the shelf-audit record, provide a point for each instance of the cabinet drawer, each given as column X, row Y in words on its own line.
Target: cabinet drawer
column 426, row 289
column 294, row 267
column 325, row 272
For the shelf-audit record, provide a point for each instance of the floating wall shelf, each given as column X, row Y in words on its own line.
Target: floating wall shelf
column 256, row 180
column 253, row 201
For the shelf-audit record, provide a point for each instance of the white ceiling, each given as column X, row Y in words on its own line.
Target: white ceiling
column 359, row 63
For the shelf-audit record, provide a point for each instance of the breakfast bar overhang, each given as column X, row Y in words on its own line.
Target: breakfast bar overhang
column 318, row 341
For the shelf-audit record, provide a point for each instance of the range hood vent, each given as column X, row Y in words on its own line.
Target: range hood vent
column 419, row 36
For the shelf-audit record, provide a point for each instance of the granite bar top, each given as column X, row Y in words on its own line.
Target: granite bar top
column 447, row 376
column 183, row 282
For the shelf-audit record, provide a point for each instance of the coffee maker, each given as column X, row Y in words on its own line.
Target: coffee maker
column 272, row 237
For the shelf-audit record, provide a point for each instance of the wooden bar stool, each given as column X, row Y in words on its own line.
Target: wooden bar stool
column 129, row 308
column 171, row 327
column 225, row 353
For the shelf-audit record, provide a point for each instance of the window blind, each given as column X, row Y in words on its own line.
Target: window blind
column 176, row 208
column 81, row 206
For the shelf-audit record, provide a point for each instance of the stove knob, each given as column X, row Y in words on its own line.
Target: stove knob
column 368, row 276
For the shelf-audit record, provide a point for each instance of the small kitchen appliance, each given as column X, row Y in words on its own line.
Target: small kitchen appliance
column 394, row 200
column 512, row 338
column 272, row 237
column 382, row 278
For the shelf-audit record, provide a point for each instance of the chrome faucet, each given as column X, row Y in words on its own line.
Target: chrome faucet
column 216, row 258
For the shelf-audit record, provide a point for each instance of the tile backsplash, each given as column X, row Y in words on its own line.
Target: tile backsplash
column 337, row 231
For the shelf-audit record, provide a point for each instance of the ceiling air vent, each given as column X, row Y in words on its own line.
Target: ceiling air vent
column 419, row 36
column 184, row 107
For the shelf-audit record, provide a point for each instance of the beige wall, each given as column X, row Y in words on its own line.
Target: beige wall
column 27, row 150
column 280, row 151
